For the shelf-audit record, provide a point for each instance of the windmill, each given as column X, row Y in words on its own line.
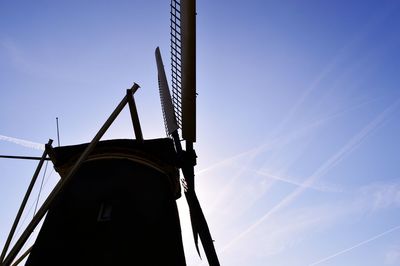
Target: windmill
column 99, row 213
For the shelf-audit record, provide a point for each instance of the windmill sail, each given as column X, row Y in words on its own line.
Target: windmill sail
column 183, row 62
column 168, row 109
column 176, row 62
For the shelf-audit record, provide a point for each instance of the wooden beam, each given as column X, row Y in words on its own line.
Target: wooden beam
column 23, row 204
column 134, row 114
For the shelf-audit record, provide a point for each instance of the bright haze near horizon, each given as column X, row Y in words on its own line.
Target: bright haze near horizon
column 298, row 116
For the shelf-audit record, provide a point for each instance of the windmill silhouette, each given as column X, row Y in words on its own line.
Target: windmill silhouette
column 115, row 202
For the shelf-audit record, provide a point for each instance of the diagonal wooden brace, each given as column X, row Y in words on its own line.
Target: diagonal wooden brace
column 133, row 111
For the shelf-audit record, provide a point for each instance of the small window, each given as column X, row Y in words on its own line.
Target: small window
column 105, row 212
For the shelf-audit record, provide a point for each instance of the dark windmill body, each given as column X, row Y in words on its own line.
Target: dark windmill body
column 116, row 201
column 119, row 205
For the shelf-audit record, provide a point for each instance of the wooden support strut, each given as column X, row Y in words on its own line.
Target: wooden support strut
column 23, row 204
column 64, row 181
column 22, row 257
column 133, row 111
column 24, row 157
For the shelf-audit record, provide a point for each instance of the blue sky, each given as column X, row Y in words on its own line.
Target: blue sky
column 298, row 115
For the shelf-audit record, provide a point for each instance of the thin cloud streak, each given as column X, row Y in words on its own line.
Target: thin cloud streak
column 291, row 224
column 231, row 159
column 356, row 246
column 278, row 141
column 329, row 164
column 334, row 63
column 297, row 184
column 284, row 139
column 23, row 143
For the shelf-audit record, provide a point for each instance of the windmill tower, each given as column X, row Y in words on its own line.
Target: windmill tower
column 115, row 202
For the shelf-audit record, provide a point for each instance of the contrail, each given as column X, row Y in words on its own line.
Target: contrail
column 356, row 246
column 253, row 153
column 283, row 139
column 230, row 159
column 277, row 141
column 297, row 184
column 24, row 143
column 331, row 162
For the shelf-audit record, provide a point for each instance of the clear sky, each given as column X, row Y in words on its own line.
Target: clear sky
column 298, row 115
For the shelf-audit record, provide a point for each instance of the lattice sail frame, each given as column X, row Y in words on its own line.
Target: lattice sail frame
column 176, row 59
column 183, row 65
